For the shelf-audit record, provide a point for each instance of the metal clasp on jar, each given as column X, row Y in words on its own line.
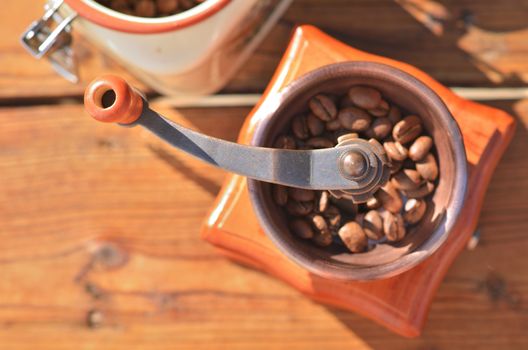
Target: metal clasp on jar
column 50, row 37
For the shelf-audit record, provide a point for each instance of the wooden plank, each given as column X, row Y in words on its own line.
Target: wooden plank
column 488, row 49
column 97, row 217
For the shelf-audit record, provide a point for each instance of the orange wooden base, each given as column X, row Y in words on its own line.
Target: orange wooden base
column 399, row 303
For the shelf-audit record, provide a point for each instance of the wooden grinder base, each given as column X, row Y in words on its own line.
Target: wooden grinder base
column 399, row 303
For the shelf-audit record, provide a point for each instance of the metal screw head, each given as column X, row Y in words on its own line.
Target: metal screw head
column 354, row 164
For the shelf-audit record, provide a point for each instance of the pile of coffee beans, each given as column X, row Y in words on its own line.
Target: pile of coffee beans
column 150, row 8
column 395, row 207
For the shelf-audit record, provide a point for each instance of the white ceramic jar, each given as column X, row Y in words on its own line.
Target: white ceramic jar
column 193, row 52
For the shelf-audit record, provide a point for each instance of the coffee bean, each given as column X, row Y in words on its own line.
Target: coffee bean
column 395, row 166
column 301, row 194
column 167, row 7
column 280, row 194
column 301, row 228
column 394, row 115
column 422, row 191
column 315, row 125
column 333, row 216
column 365, row 97
column 407, row 129
column 390, row 198
column 420, row 147
column 373, row 225
column 381, row 110
column 299, row 208
column 414, row 210
column 380, row 128
column 319, row 142
column 319, row 223
column 323, row 107
column 395, row 150
column 427, row 167
column 373, row 203
column 393, row 227
column 145, row 8
column 322, row 239
column 323, row 202
column 333, row 125
column 353, row 237
column 285, row 142
column 407, row 179
column 354, row 119
column 300, row 127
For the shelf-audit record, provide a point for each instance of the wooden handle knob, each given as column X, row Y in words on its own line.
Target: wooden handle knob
column 110, row 99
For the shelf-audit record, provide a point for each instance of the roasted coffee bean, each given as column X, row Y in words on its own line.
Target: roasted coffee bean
column 333, row 125
column 121, row 6
column 353, row 237
column 394, row 115
column 427, row 167
column 381, row 110
column 395, row 150
column 420, row 147
column 407, row 129
column 319, row 142
column 167, row 6
column 319, row 223
column 301, row 194
column 354, row 119
column 301, row 228
column 390, row 198
column 373, row 225
column 285, row 142
column 300, row 127
column 145, row 8
column 280, row 194
column 380, row 128
column 365, row 97
column 299, row 208
column 333, row 216
column 422, row 191
column 322, row 239
column 407, row 179
column 395, row 166
column 373, row 203
column 315, row 125
column 393, row 227
column 414, row 210
column 323, row 107
column 323, row 202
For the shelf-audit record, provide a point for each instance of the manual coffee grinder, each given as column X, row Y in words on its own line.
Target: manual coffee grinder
column 394, row 284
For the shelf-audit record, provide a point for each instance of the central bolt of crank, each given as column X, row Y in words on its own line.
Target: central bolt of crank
column 354, row 164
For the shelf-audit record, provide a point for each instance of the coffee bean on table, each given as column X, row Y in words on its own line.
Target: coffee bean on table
column 427, row 167
column 365, row 97
column 407, row 129
column 354, row 119
column 301, row 228
column 323, row 107
column 353, row 237
column 315, row 125
column 373, row 225
column 280, row 194
column 300, row 127
column 299, row 208
column 414, row 210
column 420, row 147
column 395, row 150
column 393, row 227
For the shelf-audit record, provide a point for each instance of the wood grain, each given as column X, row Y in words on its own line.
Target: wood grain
column 108, row 218
column 483, row 43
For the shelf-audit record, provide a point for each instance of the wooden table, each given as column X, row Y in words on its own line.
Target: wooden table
column 99, row 225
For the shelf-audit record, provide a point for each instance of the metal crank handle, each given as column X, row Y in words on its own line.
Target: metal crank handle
column 354, row 165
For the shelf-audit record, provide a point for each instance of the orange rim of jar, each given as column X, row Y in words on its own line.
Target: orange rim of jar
column 210, row 7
